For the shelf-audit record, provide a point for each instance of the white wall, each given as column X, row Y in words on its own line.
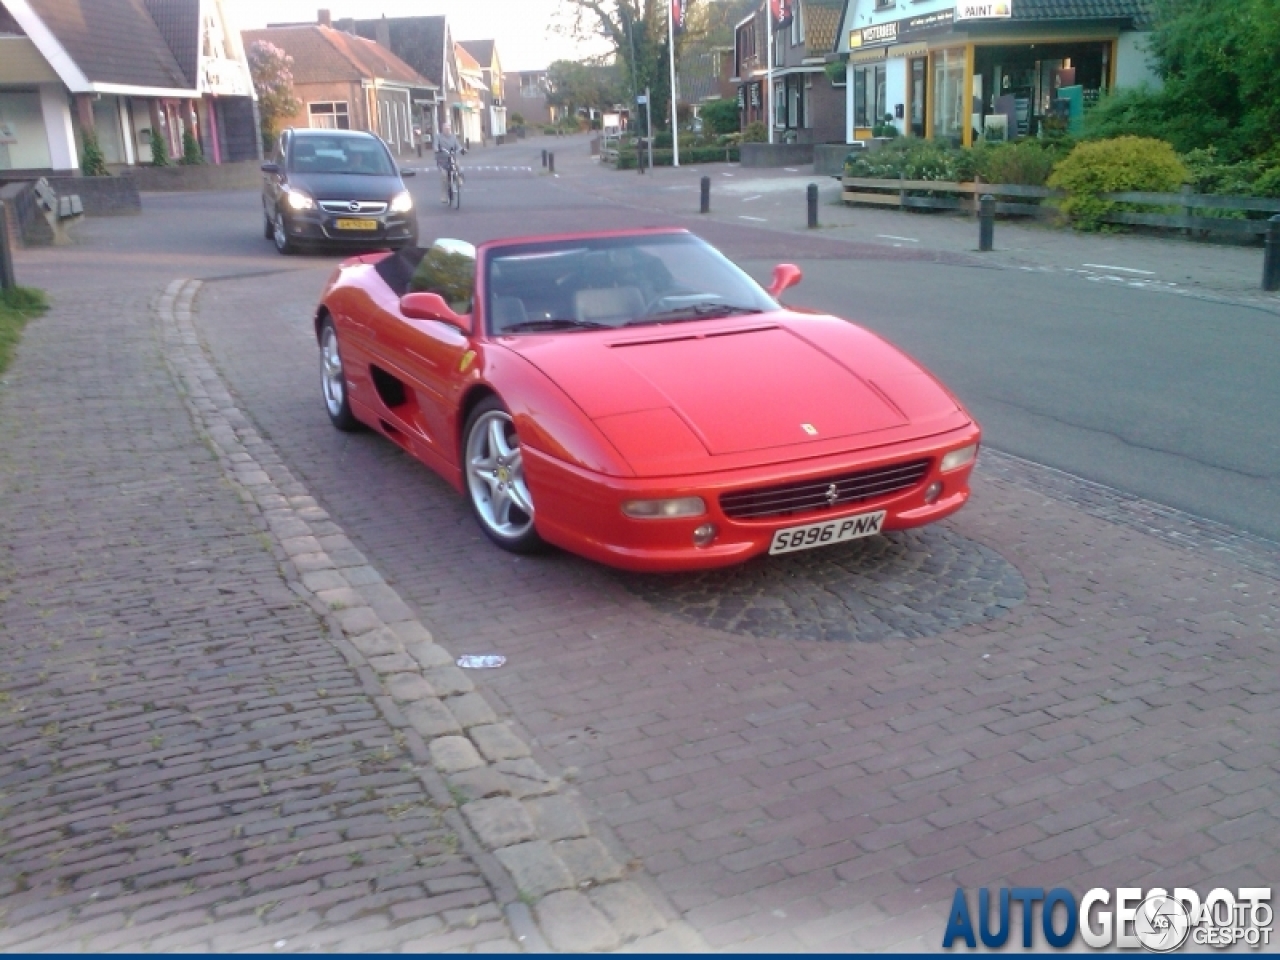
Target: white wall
column 1133, row 66
column 895, row 87
column 57, row 124
column 24, row 124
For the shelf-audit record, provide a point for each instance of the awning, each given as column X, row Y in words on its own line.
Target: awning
column 867, row 56
column 909, row 50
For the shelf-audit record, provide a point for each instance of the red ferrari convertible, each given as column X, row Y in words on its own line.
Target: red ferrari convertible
column 635, row 398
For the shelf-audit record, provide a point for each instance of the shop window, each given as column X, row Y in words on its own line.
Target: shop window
column 949, row 107
column 329, row 116
column 868, row 95
column 23, row 143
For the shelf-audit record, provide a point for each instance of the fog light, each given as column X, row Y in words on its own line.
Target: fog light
column 933, row 491
column 703, row 535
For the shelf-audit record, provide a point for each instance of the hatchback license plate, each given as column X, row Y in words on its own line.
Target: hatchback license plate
column 346, row 224
column 831, row 531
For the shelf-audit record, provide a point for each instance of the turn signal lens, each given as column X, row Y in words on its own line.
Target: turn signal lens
column 704, row 534
column 959, row 458
column 933, row 492
column 402, row 203
column 664, row 509
column 299, row 201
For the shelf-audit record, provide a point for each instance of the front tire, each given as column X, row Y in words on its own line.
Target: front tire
column 496, row 485
column 333, row 380
column 280, row 234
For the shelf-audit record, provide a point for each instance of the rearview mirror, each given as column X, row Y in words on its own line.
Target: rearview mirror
column 784, row 275
column 271, row 168
column 431, row 306
column 406, row 172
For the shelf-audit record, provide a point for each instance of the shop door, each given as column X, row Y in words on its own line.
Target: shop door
column 919, row 90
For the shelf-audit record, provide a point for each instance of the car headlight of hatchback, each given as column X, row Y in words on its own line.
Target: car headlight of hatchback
column 402, row 203
column 299, row 200
column 664, row 509
column 959, row 458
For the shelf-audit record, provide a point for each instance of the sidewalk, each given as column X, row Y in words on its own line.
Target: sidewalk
column 775, row 200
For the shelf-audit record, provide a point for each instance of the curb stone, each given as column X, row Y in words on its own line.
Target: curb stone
column 501, row 790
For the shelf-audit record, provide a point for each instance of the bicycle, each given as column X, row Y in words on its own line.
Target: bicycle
column 455, row 181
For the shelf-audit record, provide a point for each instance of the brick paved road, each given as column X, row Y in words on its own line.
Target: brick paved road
column 1115, row 727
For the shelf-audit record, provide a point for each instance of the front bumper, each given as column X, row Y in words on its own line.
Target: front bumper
column 319, row 227
column 581, row 511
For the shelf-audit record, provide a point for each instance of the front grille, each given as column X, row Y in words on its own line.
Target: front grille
column 344, row 206
column 823, row 494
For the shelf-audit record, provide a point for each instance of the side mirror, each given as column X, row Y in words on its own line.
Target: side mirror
column 406, row 172
column 431, row 306
column 784, row 275
column 271, row 168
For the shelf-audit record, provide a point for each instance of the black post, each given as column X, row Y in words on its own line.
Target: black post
column 812, row 197
column 705, row 206
column 7, row 278
column 986, row 223
column 640, row 156
column 544, row 159
column 1271, row 260
column 551, row 162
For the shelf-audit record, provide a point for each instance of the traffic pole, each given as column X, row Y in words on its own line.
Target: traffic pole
column 7, row 278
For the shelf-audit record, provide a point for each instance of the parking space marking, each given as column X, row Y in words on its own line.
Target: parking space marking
column 890, row 236
column 1104, row 266
column 757, row 219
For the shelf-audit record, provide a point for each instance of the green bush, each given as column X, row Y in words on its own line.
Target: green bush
column 1026, row 162
column 755, row 132
column 17, row 306
column 1111, row 166
column 912, row 159
column 550, row 131
column 663, row 158
column 192, row 156
column 720, row 116
column 93, row 163
column 159, row 150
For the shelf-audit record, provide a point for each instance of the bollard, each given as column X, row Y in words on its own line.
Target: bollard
column 812, row 198
column 640, row 156
column 7, row 278
column 1271, row 259
column 705, row 206
column 544, row 159
column 551, row 163
column 986, row 223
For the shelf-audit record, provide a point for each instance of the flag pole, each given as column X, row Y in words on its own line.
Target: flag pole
column 671, row 45
column 768, row 29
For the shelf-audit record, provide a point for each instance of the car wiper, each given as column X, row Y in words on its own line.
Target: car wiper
column 696, row 311
column 559, row 324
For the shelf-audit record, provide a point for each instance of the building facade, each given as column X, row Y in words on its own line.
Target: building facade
column 993, row 70
column 118, row 70
column 527, row 96
column 426, row 45
column 493, row 94
column 346, row 82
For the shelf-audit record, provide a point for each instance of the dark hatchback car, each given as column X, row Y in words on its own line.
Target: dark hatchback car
column 336, row 188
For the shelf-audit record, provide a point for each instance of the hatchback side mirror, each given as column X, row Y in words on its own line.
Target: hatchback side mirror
column 271, row 168
column 784, row 275
column 431, row 306
column 406, row 172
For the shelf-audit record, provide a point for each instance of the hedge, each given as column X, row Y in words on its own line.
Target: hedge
column 662, row 158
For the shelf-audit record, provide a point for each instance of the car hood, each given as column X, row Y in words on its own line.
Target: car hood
column 727, row 393
column 347, row 186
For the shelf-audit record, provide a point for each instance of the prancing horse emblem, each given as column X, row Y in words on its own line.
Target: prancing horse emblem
column 832, row 495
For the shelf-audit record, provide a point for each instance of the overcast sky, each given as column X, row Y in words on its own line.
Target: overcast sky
column 521, row 27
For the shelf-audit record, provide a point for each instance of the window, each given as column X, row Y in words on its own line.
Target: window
column 797, row 25
column 868, row 95
column 949, row 113
column 329, row 116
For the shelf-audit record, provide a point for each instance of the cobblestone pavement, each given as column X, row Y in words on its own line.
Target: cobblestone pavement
column 1118, row 726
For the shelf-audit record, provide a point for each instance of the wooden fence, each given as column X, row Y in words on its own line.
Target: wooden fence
column 1174, row 211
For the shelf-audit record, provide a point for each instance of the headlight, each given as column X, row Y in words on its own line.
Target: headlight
column 402, row 203
column 959, row 458
column 299, row 201
column 664, row 509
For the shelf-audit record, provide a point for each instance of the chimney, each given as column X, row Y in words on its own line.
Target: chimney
column 383, row 32
column 323, row 18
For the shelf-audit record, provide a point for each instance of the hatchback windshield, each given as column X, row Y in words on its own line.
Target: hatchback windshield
column 312, row 154
column 612, row 282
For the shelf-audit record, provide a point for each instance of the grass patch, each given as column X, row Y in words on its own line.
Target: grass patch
column 17, row 306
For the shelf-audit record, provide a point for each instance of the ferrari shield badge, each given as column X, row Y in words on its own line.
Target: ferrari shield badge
column 810, row 429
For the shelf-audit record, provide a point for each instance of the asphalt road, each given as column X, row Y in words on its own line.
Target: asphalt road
column 1170, row 398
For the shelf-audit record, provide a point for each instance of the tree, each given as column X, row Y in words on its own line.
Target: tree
column 271, row 69
column 573, row 86
column 720, row 116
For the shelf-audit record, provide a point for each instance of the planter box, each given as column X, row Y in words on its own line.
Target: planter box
column 206, row 176
column 776, row 154
column 101, row 196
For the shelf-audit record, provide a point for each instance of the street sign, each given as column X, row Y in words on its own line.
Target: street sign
column 642, row 99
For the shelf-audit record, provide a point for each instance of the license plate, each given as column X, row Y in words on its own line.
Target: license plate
column 347, row 224
column 831, row 531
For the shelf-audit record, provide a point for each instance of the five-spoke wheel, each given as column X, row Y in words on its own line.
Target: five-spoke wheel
column 333, row 379
column 495, row 479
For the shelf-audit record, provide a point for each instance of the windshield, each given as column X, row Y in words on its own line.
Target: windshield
column 359, row 155
column 614, row 282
